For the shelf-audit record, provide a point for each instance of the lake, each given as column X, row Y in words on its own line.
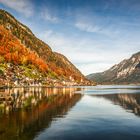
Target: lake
column 72, row 113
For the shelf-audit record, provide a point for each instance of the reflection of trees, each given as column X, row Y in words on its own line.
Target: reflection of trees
column 31, row 110
column 127, row 101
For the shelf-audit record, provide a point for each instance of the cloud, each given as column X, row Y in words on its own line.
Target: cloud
column 98, row 25
column 49, row 15
column 87, row 27
column 104, row 22
column 22, row 6
column 93, row 67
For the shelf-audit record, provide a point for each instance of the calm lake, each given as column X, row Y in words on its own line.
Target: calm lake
column 78, row 113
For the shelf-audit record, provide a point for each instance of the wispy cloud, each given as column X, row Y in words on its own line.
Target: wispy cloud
column 104, row 22
column 87, row 27
column 97, row 24
column 49, row 15
column 23, row 6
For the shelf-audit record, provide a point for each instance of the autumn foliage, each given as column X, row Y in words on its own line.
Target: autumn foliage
column 12, row 51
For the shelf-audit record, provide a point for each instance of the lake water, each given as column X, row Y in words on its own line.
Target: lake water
column 80, row 113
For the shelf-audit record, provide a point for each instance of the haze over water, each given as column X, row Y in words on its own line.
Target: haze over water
column 101, row 112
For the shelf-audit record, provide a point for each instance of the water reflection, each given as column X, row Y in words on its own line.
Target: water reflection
column 24, row 112
column 130, row 102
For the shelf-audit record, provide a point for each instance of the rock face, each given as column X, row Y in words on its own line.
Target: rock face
column 127, row 71
column 59, row 66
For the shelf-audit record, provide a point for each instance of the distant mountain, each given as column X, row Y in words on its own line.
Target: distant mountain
column 36, row 56
column 127, row 71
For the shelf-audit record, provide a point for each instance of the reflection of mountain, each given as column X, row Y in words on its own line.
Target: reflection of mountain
column 127, row 101
column 35, row 112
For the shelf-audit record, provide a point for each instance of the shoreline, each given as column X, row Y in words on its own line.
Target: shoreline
column 65, row 86
column 6, row 87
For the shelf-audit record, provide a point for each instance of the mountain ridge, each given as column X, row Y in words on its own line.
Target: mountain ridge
column 59, row 66
column 126, row 72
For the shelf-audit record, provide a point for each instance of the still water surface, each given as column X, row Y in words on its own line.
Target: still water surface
column 80, row 113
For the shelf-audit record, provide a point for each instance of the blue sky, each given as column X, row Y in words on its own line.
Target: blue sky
column 92, row 34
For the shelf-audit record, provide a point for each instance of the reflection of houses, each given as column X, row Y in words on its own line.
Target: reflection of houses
column 33, row 109
column 26, row 97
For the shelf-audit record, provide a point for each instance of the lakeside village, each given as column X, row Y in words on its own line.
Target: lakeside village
column 14, row 76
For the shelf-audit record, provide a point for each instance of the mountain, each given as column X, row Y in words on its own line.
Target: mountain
column 22, row 52
column 126, row 72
